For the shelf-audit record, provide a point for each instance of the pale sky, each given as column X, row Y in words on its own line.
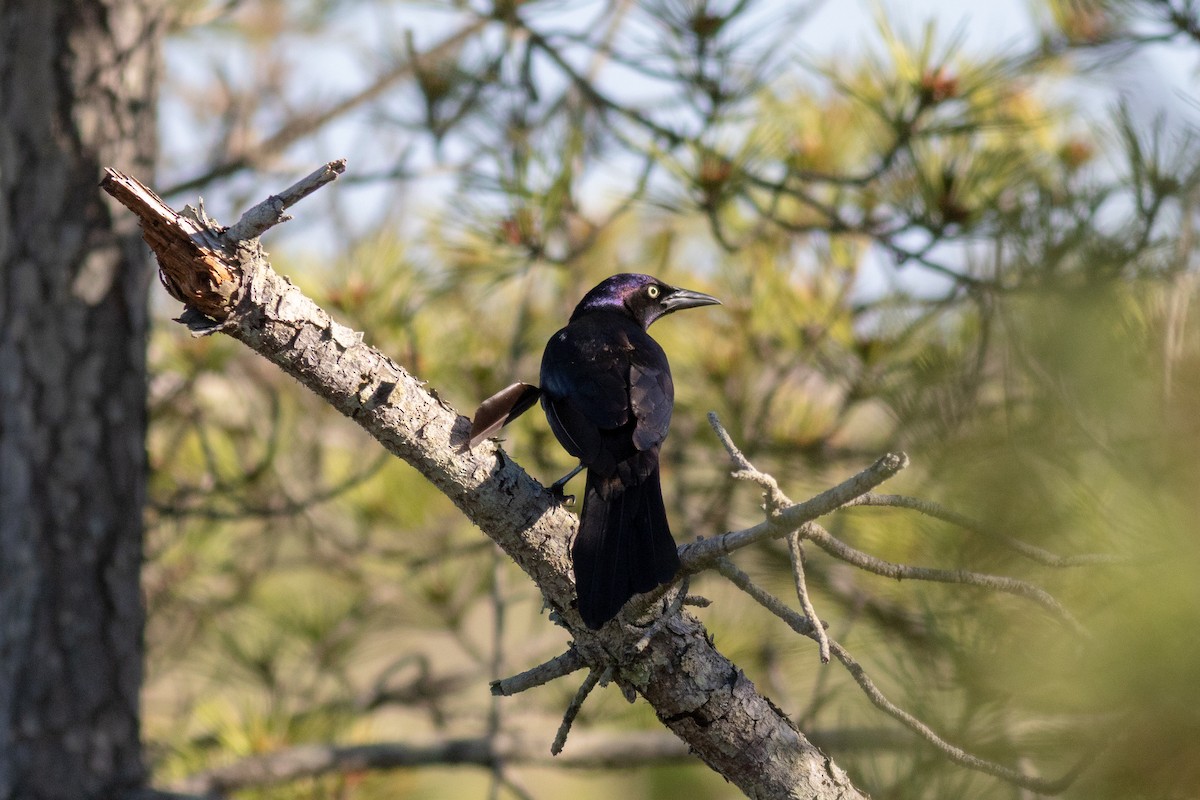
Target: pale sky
column 1157, row 81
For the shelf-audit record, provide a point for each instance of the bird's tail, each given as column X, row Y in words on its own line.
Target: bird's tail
column 624, row 546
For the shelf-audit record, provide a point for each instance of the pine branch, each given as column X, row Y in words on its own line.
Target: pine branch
column 696, row 691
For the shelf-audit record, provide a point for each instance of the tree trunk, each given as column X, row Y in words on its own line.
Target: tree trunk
column 77, row 90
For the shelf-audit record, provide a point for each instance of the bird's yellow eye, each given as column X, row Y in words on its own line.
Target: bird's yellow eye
column 652, row 291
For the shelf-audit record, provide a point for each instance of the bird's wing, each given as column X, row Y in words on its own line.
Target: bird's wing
column 651, row 395
column 593, row 379
column 584, row 388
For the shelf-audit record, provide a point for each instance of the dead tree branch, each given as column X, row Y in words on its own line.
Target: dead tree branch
column 778, row 507
column 593, row 678
column 938, row 511
column 796, row 548
column 698, row 693
column 556, row 667
column 784, row 517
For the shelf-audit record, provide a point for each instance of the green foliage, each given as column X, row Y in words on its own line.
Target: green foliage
column 918, row 247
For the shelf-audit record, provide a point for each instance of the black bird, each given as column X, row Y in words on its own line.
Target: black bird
column 607, row 392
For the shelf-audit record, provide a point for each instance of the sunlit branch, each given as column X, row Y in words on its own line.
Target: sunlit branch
column 703, row 554
column 777, row 506
column 844, row 552
column 796, row 550
column 798, row 622
column 270, row 212
column 938, row 511
column 561, row 665
column 785, row 517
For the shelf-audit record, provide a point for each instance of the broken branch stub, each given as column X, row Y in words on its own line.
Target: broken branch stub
column 181, row 244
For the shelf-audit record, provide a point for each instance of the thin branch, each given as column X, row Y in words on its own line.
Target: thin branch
column 557, row 667
column 937, row 511
column 671, row 610
column 840, row 550
column 593, row 677
column 704, row 553
column 797, row 553
column 301, row 126
column 955, row 754
column 801, row 624
column 776, row 503
column 779, row 524
column 270, row 212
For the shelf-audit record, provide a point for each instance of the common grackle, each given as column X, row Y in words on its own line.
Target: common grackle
column 606, row 389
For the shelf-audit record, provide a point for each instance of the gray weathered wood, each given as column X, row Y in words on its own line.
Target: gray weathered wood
column 696, row 691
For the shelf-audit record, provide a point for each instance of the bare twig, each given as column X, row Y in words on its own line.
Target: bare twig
column 589, row 683
column 955, row 754
column 839, row 549
column 797, row 552
column 561, row 665
column 803, row 626
column 672, row 609
column 703, row 554
column 798, row 622
column 938, row 511
column 270, row 212
column 779, row 524
column 779, row 508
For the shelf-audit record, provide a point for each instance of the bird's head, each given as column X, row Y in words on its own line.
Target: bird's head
column 642, row 297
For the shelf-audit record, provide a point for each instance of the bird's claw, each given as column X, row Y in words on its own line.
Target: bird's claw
column 556, row 488
column 561, row 496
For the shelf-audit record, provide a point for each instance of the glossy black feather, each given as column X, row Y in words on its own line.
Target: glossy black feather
column 608, row 394
column 624, row 546
column 587, row 372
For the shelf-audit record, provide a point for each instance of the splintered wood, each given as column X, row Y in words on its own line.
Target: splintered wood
column 193, row 265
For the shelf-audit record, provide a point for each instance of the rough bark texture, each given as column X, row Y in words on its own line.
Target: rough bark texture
column 697, row 692
column 76, row 91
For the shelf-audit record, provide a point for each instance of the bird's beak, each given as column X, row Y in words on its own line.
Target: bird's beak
column 686, row 298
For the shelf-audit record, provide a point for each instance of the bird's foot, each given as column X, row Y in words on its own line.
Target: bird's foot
column 556, row 488
column 561, row 496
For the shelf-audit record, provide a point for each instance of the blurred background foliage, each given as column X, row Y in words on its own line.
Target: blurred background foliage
column 979, row 256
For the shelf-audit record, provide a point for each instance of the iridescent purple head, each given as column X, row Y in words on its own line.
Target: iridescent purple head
column 643, row 297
